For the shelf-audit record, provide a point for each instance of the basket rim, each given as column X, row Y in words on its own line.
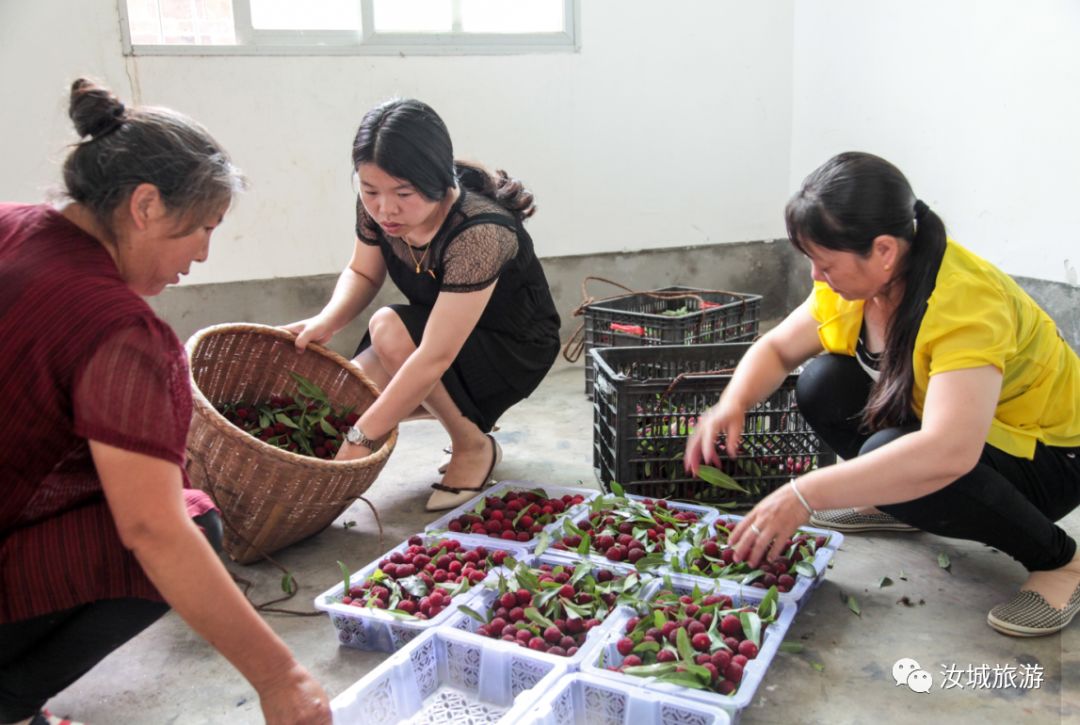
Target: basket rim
column 218, row 421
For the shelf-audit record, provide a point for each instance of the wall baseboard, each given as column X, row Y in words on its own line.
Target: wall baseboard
column 770, row 268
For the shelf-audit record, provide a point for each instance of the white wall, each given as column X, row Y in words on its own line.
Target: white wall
column 671, row 126
column 678, row 123
column 975, row 100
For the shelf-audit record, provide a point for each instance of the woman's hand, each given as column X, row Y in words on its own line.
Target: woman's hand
column 294, row 699
column 351, row 452
column 768, row 526
column 314, row 329
column 725, row 418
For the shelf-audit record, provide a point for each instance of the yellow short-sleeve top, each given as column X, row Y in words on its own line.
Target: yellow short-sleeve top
column 977, row 315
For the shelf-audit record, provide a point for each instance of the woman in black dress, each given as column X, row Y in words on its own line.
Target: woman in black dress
column 479, row 331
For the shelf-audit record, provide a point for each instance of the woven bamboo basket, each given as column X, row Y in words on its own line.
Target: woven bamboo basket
column 269, row 497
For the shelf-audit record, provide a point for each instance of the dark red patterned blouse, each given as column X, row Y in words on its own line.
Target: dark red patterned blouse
column 82, row 357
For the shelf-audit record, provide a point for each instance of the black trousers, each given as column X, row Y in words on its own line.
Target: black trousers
column 40, row 657
column 1007, row 502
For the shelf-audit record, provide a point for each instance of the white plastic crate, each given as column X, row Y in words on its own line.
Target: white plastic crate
column 583, row 699
column 445, row 676
column 804, row 585
column 376, row 629
column 482, row 605
column 440, row 524
column 753, row 673
column 706, row 516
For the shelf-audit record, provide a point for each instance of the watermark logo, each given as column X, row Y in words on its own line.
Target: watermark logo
column 906, row 671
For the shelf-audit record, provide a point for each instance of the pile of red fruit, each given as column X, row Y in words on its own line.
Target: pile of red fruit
column 306, row 423
column 695, row 640
column 513, row 515
column 552, row 608
column 713, row 557
column 422, row 580
column 624, row 529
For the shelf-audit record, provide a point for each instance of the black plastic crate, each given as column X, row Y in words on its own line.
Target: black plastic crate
column 641, row 319
column 642, row 417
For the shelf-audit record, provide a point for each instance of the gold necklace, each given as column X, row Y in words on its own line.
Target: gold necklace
column 420, row 261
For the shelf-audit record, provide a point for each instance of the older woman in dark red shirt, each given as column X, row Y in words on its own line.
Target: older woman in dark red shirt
column 96, row 528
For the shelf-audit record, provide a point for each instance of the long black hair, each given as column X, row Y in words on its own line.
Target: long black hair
column 844, row 205
column 123, row 147
column 407, row 139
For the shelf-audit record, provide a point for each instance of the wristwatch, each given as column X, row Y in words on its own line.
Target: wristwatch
column 356, row 436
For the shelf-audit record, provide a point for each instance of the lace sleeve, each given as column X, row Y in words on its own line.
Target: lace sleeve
column 367, row 231
column 477, row 256
column 135, row 392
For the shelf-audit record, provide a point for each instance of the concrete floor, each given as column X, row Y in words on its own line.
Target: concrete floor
column 843, row 674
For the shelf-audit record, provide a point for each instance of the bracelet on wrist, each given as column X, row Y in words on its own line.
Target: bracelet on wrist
column 799, row 495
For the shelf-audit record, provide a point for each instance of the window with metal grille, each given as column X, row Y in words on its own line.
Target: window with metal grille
column 255, row 27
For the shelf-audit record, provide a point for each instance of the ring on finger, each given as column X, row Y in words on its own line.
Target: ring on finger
column 755, row 529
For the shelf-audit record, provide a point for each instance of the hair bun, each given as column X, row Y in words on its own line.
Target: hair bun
column 93, row 109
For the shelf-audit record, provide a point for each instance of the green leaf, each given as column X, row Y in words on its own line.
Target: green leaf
column 943, row 562
column 884, row 582
column 818, row 666
column 805, row 568
column 399, row 614
column 569, row 527
column 547, row 596
column 264, row 420
column 542, row 543
column 576, row 611
column 288, row 584
column 659, row 620
column 585, row 545
column 580, row 572
column 767, row 608
column 345, row 576
column 651, row 561
column 698, row 671
column 793, row 647
column 751, row 624
column 853, row 604
column 533, row 614
column 752, row 577
column 682, row 641
column 286, row 421
column 716, row 477
column 617, row 488
column 327, row 428
column 903, row 576
column 647, row 647
column 660, row 668
column 526, row 579
column 307, row 388
column 414, row 585
column 472, row 613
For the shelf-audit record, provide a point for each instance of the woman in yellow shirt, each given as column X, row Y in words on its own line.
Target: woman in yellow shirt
column 948, row 392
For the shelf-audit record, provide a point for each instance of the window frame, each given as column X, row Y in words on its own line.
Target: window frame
column 253, row 41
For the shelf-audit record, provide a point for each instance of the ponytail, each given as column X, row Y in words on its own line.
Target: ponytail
column 889, row 404
column 500, row 187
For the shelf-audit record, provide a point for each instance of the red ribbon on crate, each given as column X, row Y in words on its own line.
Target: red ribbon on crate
column 637, row 330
